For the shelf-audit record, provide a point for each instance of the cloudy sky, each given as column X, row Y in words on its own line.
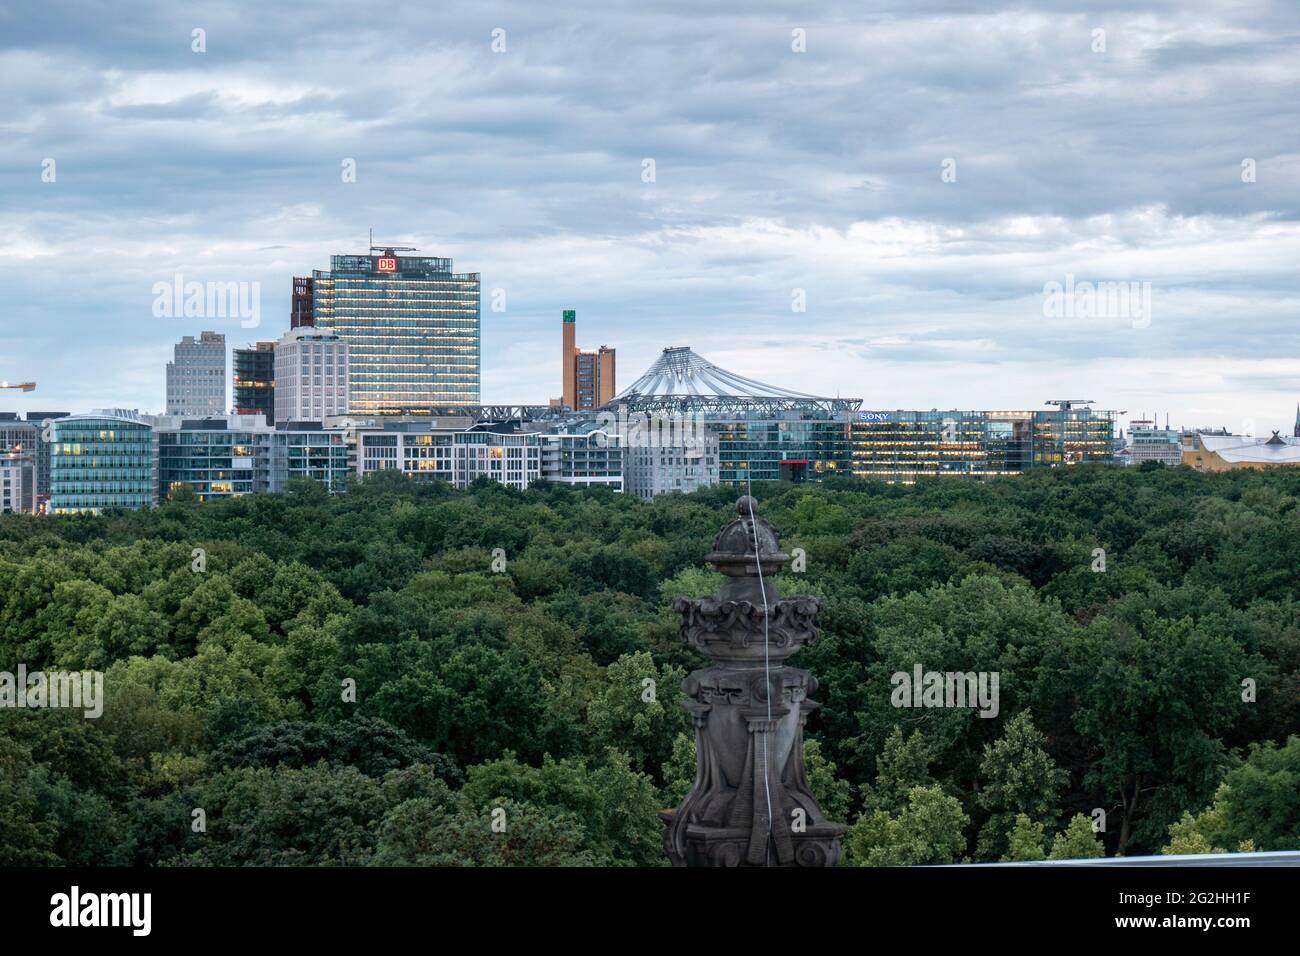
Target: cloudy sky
column 916, row 173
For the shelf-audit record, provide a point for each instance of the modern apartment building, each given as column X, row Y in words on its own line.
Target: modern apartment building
column 312, row 373
column 236, row 455
column 412, row 329
column 196, row 376
column 254, row 377
column 588, row 378
column 427, row 450
column 583, row 458
column 101, row 460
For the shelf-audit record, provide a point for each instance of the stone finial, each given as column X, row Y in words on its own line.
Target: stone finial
column 749, row 711
column 744, row 546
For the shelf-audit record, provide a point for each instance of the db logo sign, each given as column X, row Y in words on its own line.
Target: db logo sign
column 386, row 264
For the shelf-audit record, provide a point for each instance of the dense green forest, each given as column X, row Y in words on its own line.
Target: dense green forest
column 498, row 643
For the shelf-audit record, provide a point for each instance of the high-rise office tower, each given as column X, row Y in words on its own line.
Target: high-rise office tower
column 588, row 377
column 196, row 377
column 412, row 329
column 311, row 375
column 254, row 376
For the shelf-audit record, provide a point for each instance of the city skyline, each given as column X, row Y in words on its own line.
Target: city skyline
column 523, row 157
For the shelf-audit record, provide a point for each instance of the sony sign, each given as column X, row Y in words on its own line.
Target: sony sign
column 873, row 416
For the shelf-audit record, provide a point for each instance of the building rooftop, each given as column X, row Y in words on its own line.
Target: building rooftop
column 1237, row 448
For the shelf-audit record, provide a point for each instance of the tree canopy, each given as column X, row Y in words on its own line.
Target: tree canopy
column 405, row 674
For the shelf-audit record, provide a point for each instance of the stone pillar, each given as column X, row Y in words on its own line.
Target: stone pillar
column 749, row 710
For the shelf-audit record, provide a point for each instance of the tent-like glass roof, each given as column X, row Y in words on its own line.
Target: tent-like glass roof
column 679, row 378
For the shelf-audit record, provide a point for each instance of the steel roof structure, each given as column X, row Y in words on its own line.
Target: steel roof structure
column 476, row 413
column 681, row 380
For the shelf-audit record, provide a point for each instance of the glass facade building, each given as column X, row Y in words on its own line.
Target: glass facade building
column 101, row 460
column 412, row 328
column 905, row 445
column 241, row 454
column 1073, row 436
column 780, row 445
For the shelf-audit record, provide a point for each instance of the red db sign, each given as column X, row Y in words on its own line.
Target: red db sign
column 386, row 264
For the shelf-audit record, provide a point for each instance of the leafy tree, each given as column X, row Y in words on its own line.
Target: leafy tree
column 928, row 830
column 1146, row 707
column 25, row 838
column 1019, row 779
column 313, row 816
column 615, row 804
column 639, row 719
column 1077, row 841
column 903, row 766
column 678, row 772
column 835, row 796
column 1025, row 841
column 1258, row 804
column 426, row 832
column 369, row 745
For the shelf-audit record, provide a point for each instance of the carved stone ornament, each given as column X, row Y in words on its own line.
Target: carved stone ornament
column 750, row 804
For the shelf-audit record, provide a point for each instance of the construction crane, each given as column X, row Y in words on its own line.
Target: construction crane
column 1065, row 404
column 25, row 386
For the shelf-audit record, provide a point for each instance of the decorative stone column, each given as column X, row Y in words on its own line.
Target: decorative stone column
column 749, row 711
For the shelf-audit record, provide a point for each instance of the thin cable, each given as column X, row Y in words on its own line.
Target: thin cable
column 767, row 673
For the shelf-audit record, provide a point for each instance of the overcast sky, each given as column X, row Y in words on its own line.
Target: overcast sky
column 778, row 174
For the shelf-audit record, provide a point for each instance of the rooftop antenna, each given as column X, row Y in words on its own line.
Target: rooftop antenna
column 375, row 248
